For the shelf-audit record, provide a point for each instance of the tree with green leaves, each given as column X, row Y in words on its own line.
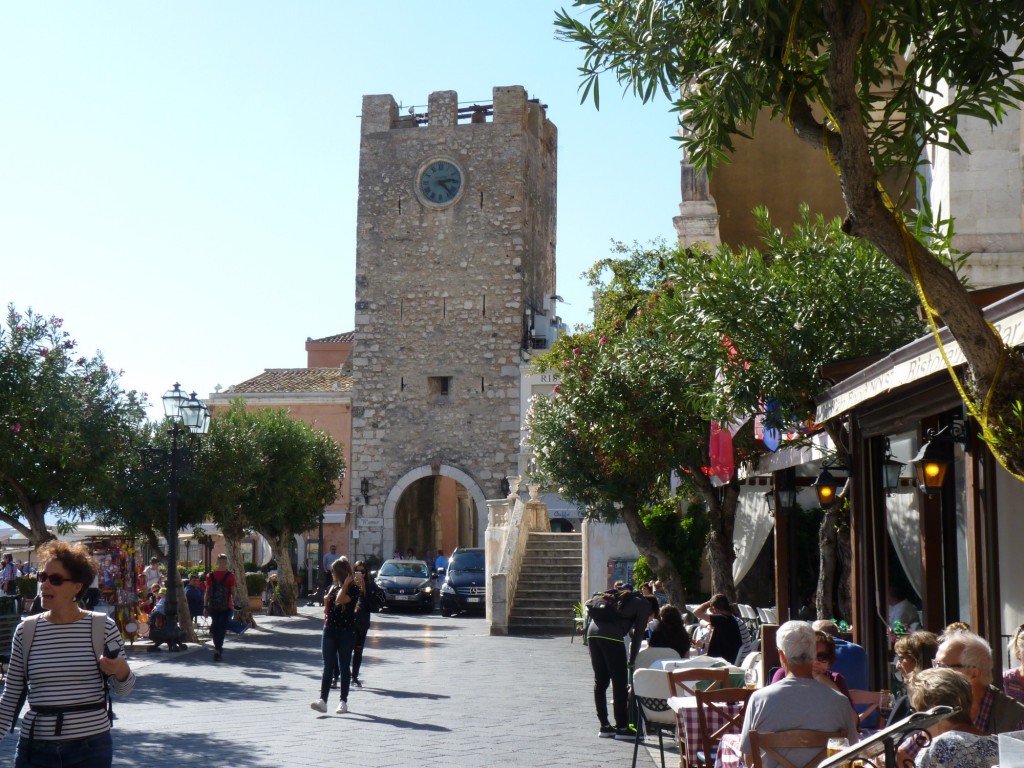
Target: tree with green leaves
column 268, row 472
column 64, row 425
column 890, row 79
column 138, row 498
column 684, row 337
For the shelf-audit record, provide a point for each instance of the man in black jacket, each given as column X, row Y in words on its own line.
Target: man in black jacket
column 605, row 639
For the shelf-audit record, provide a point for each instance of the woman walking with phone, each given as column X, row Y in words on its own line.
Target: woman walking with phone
column 64, row 660
column 339, row 635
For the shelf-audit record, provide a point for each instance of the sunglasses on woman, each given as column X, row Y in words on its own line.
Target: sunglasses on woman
column 54, row 578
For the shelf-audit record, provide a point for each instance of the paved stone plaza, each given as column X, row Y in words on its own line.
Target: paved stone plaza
column 439, row 692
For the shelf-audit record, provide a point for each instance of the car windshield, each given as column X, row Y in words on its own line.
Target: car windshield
column 405, row 569
column 467, row 561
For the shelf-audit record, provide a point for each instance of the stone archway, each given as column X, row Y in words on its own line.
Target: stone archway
column 472, row 501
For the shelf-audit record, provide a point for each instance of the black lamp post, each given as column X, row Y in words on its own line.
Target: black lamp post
column 188, row 416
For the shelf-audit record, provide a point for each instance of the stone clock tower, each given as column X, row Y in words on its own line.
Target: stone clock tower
column 455, row 271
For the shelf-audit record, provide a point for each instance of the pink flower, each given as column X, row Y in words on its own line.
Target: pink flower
column 555, row 390
column 566, row 363
column 575, row 351
column 43, row 351
column 16, row 428
column 603, row 340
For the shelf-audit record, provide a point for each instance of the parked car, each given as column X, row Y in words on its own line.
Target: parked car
column 465, row 583
column 406, row 583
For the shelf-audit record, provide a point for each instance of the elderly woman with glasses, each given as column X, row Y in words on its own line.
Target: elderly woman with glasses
column 825, row 656
column 1013, row 679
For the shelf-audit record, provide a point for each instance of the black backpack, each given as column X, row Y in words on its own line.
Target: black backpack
column 219, row 599
column 605, row 607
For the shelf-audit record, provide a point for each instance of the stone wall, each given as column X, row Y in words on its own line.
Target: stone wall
column 441, row 295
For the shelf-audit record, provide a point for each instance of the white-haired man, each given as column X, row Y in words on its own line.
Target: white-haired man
column 798, row 701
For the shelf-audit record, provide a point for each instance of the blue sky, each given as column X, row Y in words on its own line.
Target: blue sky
column 178, row 180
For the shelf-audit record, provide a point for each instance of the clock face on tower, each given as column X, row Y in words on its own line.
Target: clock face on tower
column 439, row 182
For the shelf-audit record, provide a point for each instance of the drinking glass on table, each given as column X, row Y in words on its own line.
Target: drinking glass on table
column 750, row 679
column 886, row 701
column 835, row 746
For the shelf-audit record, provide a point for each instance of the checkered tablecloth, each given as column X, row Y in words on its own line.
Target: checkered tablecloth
column 729, row 755
column 688, row 723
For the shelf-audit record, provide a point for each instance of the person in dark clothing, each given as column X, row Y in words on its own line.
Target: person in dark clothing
column 608, row 659
column 726, row 640
column 363, row 610
column 671, row 632
column 194, row 595
column 217, row 603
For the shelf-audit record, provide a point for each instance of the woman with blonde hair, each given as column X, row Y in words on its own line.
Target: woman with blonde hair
column 339, row 635
column 65, row 677
column 956, row 741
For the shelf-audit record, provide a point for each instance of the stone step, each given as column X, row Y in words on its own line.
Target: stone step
column 532, row 563
column 561, row 581
column 540, row 608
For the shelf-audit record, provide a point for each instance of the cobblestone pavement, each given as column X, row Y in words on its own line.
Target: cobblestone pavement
column 438, row 692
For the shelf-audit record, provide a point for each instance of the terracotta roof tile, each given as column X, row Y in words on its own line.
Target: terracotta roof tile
column 338, row 338
column 285, row 380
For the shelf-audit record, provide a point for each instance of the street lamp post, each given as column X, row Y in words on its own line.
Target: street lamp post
column 188, row 416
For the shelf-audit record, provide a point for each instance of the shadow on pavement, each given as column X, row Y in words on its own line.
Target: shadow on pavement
column 392, row 694
column 396, row 723
column 167, row 747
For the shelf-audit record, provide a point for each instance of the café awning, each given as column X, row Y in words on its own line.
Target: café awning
column 917, row 360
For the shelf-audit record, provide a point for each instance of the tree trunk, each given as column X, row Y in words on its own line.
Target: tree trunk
column 185, row 625
column 657, row 559
column 827, row 563
column 233, row 545
column 870, row 218
column 722, row 516
column 279, row 543
column 34, row 513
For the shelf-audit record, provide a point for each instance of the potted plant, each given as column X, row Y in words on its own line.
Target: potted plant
column 255, row 585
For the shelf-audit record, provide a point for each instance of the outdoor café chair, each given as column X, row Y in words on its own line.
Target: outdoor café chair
column 685, row 682
column 649, row 655
column 725, row 709
column 770, row 743
column 650, row 694
column 866, row 704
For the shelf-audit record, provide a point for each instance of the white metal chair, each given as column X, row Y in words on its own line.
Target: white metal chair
column 649, row 655
column 650, row 692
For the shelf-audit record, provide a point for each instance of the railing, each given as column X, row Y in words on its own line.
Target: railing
column 508, row 532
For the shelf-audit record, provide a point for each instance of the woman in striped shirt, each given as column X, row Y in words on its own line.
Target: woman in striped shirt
column 68, row 720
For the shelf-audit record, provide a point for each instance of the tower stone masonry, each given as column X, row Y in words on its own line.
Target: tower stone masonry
column 455, row 253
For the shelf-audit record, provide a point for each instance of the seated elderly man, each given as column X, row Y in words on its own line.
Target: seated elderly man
column 798, row 701
column 992, row 711
column 969, row 654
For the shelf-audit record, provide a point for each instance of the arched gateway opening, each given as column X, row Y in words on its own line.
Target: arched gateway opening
column 428, row 510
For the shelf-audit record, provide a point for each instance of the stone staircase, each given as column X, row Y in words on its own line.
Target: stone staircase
column 549, row 585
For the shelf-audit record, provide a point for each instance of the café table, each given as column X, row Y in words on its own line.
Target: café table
column 688, row 725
